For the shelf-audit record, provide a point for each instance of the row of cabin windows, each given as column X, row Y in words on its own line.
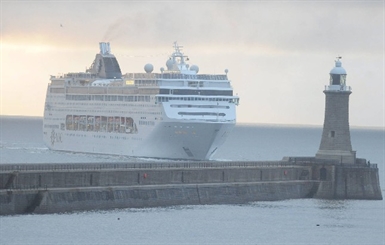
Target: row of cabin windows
column 175, row 76
column 201, row 106
column 101, row 124
column 156, row 83
column 166, row 99
column 201, row 114
column 196, row 92
column 190, row 76
column 128, row 98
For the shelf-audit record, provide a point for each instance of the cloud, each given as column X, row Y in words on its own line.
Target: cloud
column 290, row 26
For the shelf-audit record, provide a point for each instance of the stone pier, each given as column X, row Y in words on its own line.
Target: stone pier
column 55, row 188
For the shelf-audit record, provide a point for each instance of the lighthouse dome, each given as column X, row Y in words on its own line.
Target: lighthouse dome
column 338, row 69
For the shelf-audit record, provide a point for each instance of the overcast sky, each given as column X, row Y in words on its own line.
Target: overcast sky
column 279, row 53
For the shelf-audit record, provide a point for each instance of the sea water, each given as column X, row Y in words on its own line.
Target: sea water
column 298, row 221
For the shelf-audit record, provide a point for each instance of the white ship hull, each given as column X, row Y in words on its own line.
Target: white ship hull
column 171, row 140
column 160, row 132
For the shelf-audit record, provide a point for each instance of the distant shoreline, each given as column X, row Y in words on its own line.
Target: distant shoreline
column 21, row 116
column 237, row 124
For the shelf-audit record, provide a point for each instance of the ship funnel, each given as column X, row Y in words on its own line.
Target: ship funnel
column 105, row 64
column 105, row 48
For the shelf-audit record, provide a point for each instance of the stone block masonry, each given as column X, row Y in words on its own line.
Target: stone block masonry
column 55, row 188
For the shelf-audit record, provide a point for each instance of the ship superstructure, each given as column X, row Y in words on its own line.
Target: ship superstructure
column 176, row 113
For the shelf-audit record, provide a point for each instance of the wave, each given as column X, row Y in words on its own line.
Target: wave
column 28, row 148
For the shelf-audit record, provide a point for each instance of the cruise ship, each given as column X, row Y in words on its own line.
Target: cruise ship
column 174, row 114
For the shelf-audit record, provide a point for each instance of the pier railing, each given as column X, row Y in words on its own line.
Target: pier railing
column 165, row 165
column 141, row 165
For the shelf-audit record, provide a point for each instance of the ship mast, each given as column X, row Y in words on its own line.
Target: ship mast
column 177, row 60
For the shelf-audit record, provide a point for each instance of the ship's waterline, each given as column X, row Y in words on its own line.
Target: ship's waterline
column 175, row 140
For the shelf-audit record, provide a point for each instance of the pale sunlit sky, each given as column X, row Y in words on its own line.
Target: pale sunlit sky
column 278, row 53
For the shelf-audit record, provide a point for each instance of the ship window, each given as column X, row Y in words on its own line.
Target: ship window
column 99, row 97
column 69, row 122
column 97, row 123
column 90, row 123
column 76, row 123
column 122, row 125
column 83, row 123
column 110, row 124
column 128, row 98
column 116, row 124
column 103, row 125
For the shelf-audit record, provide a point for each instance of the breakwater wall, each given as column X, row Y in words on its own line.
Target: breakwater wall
column 53, row 188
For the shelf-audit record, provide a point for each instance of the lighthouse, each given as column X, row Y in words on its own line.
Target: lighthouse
column 335, row 143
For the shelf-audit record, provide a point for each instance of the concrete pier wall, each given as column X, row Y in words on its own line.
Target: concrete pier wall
column 130, row 177
column 51, row 188
column 100, row 198
column 356, row 183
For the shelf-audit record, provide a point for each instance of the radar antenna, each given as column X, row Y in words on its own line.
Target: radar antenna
column 177, row 47
column 177, row 59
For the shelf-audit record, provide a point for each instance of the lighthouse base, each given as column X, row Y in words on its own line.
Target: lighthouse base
column 338, row 156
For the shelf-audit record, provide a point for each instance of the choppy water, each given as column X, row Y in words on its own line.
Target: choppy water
column 305, row 221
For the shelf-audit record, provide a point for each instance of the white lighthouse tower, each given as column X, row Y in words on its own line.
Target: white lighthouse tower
column 335, row 142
